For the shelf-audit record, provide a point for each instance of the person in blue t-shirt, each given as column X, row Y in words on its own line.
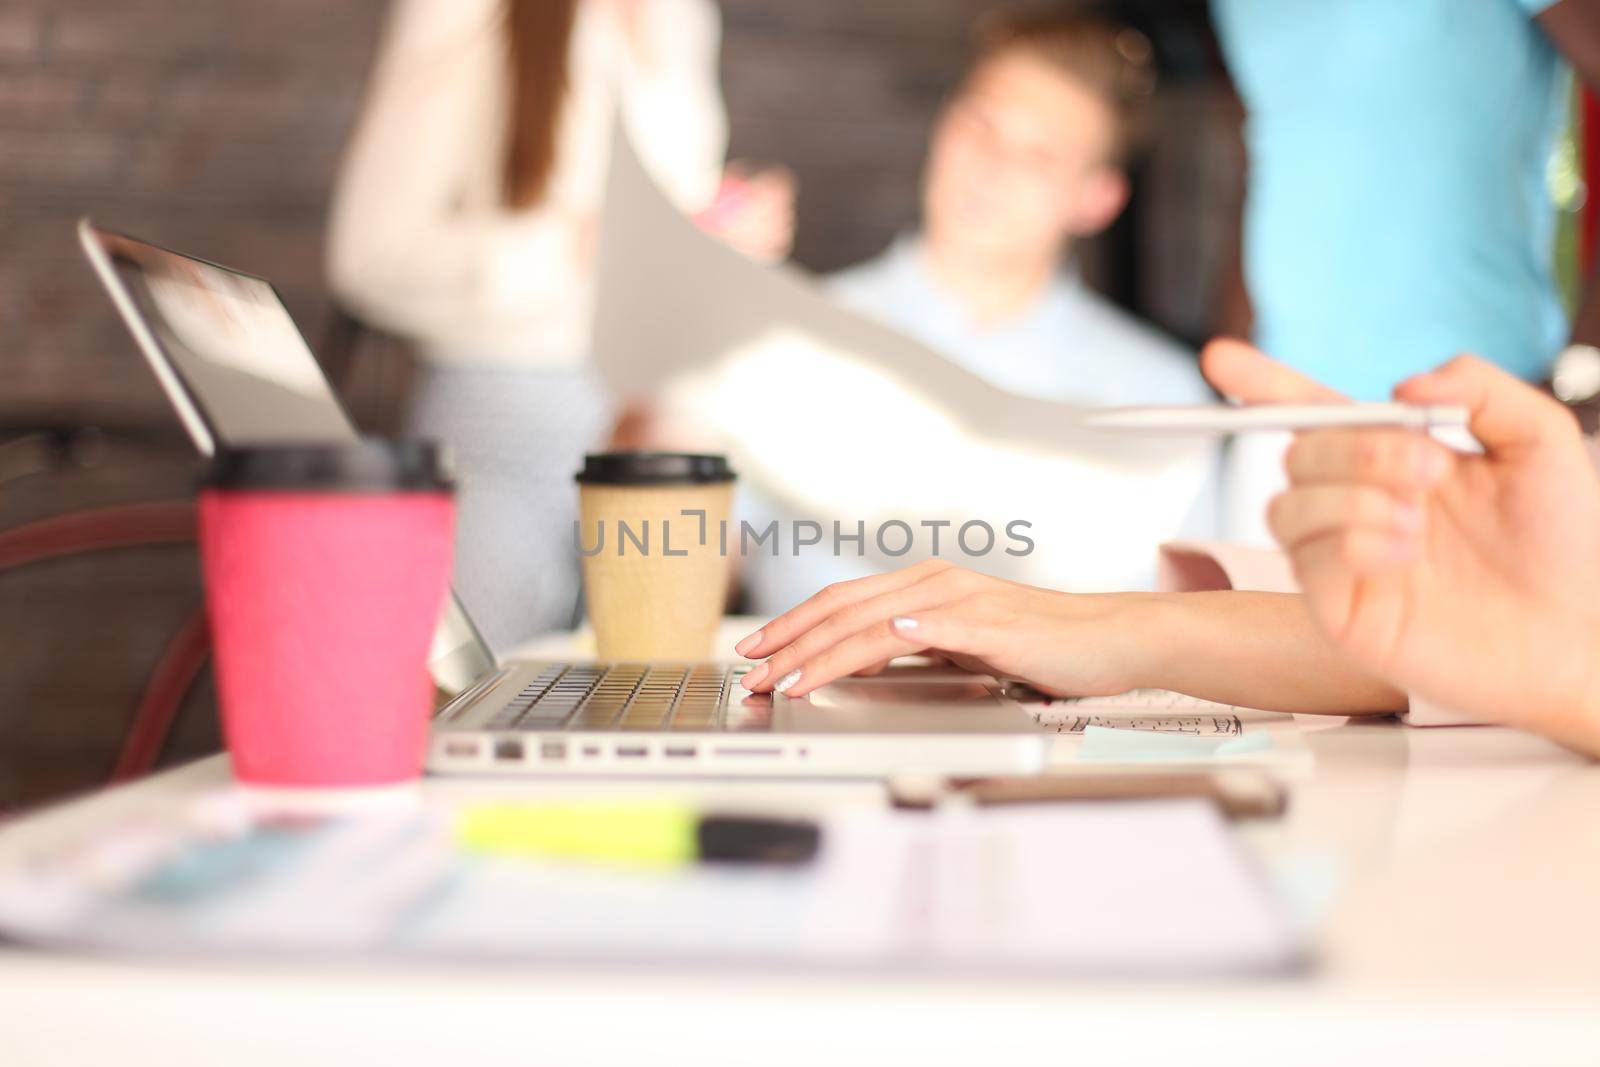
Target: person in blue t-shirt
column 1396, row 211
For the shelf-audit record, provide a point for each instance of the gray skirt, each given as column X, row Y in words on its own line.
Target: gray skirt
column 517, row 436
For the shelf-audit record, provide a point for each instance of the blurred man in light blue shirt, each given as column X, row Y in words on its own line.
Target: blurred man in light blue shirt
column 1069, row 344
column 1026, row 158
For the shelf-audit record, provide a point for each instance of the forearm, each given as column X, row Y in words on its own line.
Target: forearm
column 1559, row 696
column 1577, row 728
column 1257, row 650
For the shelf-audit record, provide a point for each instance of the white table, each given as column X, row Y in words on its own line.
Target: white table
column 1464, row 928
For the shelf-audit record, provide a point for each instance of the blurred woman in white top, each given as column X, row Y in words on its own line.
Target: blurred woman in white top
column 465, row 220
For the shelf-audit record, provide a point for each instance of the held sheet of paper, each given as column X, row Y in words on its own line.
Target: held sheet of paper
column 1135, row 888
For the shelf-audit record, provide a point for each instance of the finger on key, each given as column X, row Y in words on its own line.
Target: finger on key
column 947, row 627
column 825, row 602
column 939, row 586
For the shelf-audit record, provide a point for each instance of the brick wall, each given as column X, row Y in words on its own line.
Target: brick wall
column 213, row 125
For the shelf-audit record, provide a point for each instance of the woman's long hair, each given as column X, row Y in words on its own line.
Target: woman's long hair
column 539, row 34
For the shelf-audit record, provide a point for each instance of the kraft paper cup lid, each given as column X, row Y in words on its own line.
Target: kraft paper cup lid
column 654, row 468
column 366, row 465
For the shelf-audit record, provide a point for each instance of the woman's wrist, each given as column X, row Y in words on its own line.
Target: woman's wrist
column 1571, row 715
column 1253, row 649
column 1153, row 632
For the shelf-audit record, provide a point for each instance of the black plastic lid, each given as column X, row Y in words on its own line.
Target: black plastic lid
column 368, row 465
column 653, row 468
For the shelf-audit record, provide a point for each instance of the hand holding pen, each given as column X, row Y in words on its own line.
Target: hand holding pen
column 1468, row 579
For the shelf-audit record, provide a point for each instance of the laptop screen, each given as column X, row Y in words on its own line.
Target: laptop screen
column 236, row 368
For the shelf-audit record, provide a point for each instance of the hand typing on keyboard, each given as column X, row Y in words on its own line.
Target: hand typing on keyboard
column 1251, row 649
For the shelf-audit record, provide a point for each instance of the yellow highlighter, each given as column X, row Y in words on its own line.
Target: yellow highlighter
column 632, row 834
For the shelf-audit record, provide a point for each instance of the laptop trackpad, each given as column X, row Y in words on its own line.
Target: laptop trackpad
column 941, row 702
column 878, row 692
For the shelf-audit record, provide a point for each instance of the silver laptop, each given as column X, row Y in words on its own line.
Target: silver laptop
column 238, row 372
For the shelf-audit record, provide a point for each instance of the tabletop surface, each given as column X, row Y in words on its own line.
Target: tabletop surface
column 1454, row 875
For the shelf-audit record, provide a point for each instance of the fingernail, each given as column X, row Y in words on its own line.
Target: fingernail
column 1432, row 465
column 903, row 622
column 753, row 677
column 1407, row 517
column 748, row 643
column 787, row 681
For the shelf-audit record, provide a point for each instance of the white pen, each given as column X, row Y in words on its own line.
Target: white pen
column 1254, row 418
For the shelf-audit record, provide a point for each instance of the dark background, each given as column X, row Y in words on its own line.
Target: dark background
column 215, row 126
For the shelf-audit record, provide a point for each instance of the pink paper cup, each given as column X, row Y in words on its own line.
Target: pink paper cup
column 326, row 567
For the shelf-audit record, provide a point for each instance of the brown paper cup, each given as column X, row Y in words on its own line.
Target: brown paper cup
column 655, row 588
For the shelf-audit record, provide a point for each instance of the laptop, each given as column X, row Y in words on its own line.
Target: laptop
column 237, row 371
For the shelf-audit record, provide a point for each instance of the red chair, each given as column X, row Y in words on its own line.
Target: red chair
column 107, row 529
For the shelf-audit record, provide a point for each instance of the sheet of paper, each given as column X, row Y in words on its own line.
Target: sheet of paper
column 1157, row 887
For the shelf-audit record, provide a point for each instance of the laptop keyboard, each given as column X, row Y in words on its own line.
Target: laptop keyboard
column 635, row 696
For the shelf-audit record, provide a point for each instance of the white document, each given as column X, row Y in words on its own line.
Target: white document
column 1142, row 887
